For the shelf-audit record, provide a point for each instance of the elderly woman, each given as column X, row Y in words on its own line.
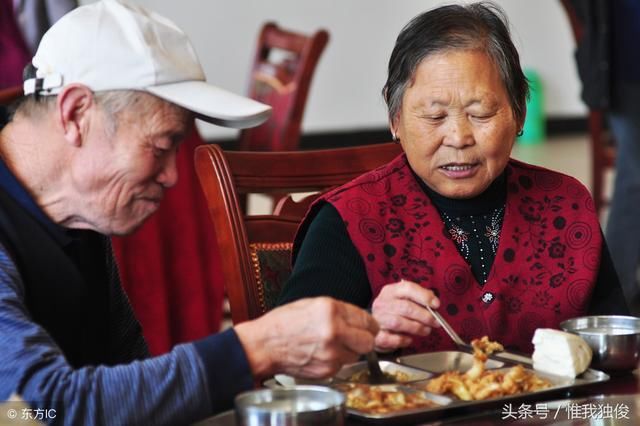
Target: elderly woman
column 499, row 246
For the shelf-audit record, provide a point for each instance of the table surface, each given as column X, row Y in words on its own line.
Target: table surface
column 618, row 398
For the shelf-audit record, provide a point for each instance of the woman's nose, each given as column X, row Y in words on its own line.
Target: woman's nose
column 459, row 133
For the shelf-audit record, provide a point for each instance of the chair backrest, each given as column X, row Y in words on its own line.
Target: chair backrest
column 603, row 152
column 10, row 94
column 7, row 97
column 256, row 250
column 282, row 70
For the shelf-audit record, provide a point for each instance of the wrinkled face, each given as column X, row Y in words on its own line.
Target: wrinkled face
column 122, row 175
column 456, row 124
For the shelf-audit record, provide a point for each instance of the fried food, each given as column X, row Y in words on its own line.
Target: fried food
column 482, row 348
column 383, row 399
column 363, row 376
column 478, row 383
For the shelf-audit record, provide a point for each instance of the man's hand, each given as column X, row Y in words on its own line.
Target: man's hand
column 400, row 311
column 310, row 338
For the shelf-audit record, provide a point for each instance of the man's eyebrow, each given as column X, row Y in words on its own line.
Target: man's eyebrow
column 172, row 133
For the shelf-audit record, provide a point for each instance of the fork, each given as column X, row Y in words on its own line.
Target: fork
column 509, row 356
column 448, row 329
column 376, row 375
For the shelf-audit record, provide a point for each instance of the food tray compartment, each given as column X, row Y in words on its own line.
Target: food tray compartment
column 448, row 405
column 557, row 382
column 286, row 381
column 403, row 373
column 439, row 362
column 392, row 401
column 454, row 406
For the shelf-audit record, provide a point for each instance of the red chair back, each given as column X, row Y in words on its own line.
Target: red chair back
column 281, row 75
column 256, row 249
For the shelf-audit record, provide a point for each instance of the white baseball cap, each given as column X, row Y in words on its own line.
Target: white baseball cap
column 114, row 45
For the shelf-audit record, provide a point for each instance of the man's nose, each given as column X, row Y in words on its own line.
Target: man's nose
column 168, row 176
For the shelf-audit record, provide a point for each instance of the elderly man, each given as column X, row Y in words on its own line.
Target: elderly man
column 89, row 153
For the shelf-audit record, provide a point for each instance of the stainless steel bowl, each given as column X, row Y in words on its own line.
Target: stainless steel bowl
column 615, row 340
column 299, row 405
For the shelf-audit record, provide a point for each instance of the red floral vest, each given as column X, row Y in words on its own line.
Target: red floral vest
column 544, row 270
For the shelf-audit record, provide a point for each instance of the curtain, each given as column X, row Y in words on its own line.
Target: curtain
column 170, row 266
column 14, row 53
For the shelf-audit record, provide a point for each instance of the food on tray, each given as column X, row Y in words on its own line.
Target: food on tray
column 482, row 348
column 559, row 352
column 362, row 376
column 478, row 383
column 382, row 399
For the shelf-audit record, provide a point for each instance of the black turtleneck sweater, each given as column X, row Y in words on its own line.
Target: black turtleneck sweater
column 328, row 264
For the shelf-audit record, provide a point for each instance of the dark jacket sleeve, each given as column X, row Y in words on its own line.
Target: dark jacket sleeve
column 607, row 297
column 180, row 387
column 328, row 264
column 593, row 50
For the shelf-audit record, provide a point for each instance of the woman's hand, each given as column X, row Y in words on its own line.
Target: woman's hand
column 400, row 311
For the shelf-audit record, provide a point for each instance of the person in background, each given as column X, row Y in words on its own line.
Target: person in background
column 609, row 67
column 22, row 23
column 499, row 246
column 35, row 17
column 89, row 153
column 14, row 53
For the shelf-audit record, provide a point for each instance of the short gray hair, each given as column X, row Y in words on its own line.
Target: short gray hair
column 113, row 103
column 478, row 26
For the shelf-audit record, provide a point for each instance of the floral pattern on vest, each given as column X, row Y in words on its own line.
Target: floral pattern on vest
column 545, row 267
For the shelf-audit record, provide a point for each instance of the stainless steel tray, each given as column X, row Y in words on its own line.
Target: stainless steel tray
column 341, row 381
column 383, row 391
column 346, row 372
column 393, row 368
column 598, row 410
column 435, row 363
column 439, row 362
column 422, row 367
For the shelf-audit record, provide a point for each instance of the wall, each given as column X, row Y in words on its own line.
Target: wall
column 345, row 93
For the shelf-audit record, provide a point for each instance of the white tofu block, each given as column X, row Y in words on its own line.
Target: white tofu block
column 560, row 353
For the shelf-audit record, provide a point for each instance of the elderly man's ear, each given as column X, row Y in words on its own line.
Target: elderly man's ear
column 73, row 108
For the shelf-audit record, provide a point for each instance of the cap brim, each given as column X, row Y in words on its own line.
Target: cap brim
column 214, row 105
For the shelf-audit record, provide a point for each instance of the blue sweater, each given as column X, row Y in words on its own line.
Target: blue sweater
column 104, row 377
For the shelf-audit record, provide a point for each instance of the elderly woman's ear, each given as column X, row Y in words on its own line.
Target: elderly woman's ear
column 394, row 133
column 520, row 124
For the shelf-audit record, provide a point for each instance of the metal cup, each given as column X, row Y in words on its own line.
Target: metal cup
column 299, row 406
column 615, row 340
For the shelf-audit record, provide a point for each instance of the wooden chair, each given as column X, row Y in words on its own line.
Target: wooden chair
column 256, row 250
column 10, row 94
column 603, row 151
column 7, row 97
column 281, row 75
